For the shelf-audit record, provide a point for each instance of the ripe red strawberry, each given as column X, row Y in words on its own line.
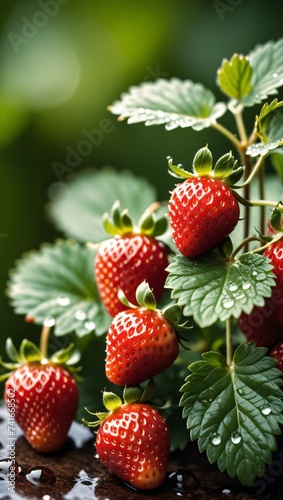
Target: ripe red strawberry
column 141, row 342
column 262, row 325
column 43, row 397
column 133, row 442
column 275, row 253
column 203, row 210
column 276, row 352
column 127, row 259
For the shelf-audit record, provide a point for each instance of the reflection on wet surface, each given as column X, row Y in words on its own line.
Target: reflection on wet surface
column 74, row 473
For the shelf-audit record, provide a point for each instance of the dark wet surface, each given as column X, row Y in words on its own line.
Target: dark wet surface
column 75, row 473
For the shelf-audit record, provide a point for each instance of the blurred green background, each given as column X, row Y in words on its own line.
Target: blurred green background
column 62, row 62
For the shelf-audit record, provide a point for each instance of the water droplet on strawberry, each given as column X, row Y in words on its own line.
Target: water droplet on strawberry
column 215, row 439
column 40, row 476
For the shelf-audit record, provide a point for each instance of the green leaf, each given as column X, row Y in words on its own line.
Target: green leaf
column 262, row 149
column 277, row 162
column 173, row 103
column 267, row 63
column 270, row 129
column 78, row 207
column 235, row 411
column 263, row 121
column 56, row 284
column 210, row 288
column 234, row 77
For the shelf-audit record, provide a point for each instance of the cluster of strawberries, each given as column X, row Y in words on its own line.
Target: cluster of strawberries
column 133, row 439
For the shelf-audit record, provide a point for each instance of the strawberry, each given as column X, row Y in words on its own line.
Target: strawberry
column 141, row 342
column 131, row 256
column 203, row 209
column 133, row 442
column 262, row 325
column 44, row 394
column 276, row 352
column 275, row 253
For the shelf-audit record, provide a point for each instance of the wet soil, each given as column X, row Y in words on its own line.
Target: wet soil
column 75, row 473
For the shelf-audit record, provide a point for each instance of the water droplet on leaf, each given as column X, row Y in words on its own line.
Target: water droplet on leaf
column 232, row 287
column 266, row 409
column 63, row 301
column 236, row 437
column 228, row 303
column 246, row 285
column 216, row 439
column 80, row 315
column 89, row 325
column 49, row 321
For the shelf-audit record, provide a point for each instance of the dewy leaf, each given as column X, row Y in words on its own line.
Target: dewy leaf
column 262, row 149
column 77, row 208
column 234, row 77
column 174, row 103
column 270, row 129
column 56, row 285
column 267, row 63
column 235, row 411
column 210, row 288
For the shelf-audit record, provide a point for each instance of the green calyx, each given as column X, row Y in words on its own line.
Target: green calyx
column 118, row 222
column 172, row 313
column 112, row 402
column 29, row 353
column 276, row 218
column 144, row 297
column 225, row 168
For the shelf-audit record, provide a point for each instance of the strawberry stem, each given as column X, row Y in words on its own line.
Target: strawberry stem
column 223, row 130
column 44, row 341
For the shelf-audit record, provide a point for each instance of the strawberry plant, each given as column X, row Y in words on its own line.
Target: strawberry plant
column 216, row 268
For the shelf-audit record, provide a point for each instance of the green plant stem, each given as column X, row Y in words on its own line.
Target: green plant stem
column 237, row 112
column 263, row 203
column 243, row 244
column 228, row 342
column 262, row 196
column 223, row 130
column 44, row 341
column 254, row 171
